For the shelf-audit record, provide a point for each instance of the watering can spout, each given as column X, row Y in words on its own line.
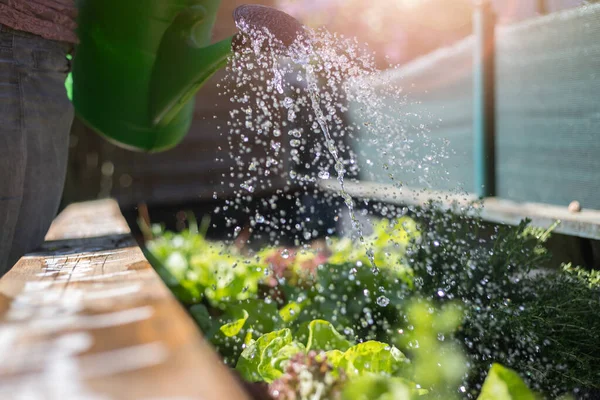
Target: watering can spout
column 184, row 62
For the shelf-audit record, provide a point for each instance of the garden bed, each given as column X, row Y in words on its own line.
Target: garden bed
column 445, row 315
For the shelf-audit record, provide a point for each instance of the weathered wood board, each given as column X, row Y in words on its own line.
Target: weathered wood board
column 585, row 223
column 86, row 317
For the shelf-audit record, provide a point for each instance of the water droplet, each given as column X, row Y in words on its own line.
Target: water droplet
column 288, row 102
column 275, row 146
column 247, row 187
column 291, row 115
column 383, row 301
column 323, row 174
column 285, row 254
column 297, row 133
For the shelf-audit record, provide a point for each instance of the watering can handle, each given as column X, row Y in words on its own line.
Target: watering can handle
column 184, row 62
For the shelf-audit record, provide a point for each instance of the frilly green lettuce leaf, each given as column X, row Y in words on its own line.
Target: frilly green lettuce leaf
column 279, row 362
column 372, row 358
column 333, row 357
column 266, row 358
column 320, row 335
column 258, row 360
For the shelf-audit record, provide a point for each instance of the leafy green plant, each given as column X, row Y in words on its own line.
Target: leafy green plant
column 452, row 262
column 359, row 303
column 389, row 242
column 561, row 321
column 319, row 363
column 236, row 324
column 344, row 290
column 321, row 320
column 490, row 281
column 266, row 358
column 202, row 270
column 544, row 325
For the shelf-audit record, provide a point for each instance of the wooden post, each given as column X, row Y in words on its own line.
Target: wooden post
column 542, row 8
column 484, row 23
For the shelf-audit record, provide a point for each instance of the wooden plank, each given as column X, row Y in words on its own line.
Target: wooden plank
column 86, row 317
column 585, row 223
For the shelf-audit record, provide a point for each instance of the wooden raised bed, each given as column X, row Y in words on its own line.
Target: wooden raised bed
column 87, row 317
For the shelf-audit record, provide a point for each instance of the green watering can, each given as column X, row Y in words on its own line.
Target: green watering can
column 140, row 62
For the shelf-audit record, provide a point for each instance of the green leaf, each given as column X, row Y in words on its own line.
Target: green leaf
column 273, row 356
column 373, row 357
column 200, row 314
column 257, row 357
column 264, row 317
column 374, row 387
column 239, row 323
column 233, row 328
column 290, row 312
column 320, row 335
column 279, row 362
column 186, row 292
column 334, row 357
column 504, row 384
column 177, row 264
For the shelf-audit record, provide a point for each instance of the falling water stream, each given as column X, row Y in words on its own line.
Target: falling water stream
column 320, row 78
column 313, row 91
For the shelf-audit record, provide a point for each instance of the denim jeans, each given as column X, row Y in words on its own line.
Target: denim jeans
column 35, row 120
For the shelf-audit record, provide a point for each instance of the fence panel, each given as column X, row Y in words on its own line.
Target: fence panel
column 548, row 109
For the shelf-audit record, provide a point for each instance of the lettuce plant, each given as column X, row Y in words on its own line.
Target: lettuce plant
column 266, row 358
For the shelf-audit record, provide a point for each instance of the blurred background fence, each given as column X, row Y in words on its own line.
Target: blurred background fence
column 543, row 116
